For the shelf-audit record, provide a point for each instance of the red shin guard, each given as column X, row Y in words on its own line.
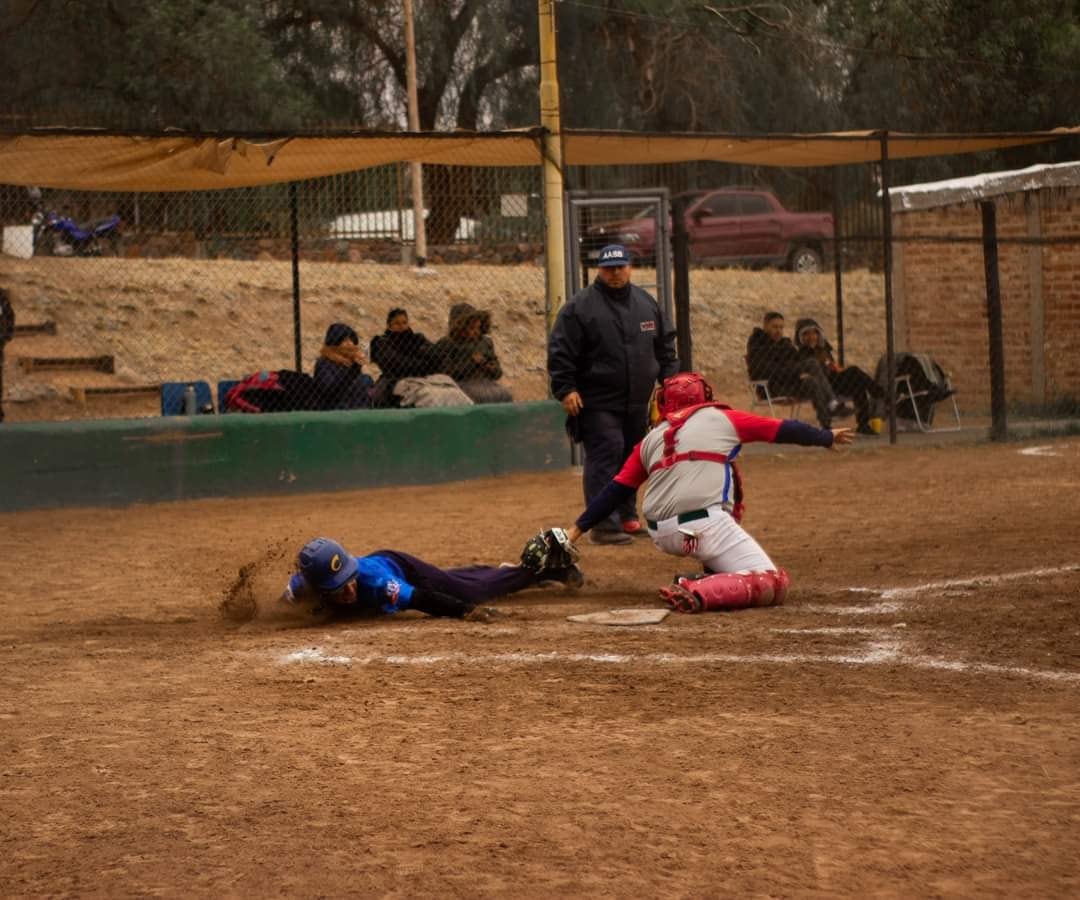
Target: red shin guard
column 729, row 590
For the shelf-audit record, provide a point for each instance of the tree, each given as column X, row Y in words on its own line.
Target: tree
column 192, row 64
column 465, row 50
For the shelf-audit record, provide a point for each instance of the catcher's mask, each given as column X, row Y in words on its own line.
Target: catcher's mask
column 326, row 564
column 684, row 389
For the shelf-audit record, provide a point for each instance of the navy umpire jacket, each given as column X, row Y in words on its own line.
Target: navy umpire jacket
column 612, row 347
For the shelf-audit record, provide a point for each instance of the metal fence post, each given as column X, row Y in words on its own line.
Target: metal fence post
column 680, row 244
column 294, row 235
column 998, row 423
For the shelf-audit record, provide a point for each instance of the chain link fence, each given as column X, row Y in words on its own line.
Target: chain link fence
column 151, row 303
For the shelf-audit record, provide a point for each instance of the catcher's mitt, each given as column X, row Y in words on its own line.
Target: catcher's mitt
column 549, row 549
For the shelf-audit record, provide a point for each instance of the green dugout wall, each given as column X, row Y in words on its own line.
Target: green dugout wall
column 117, row 462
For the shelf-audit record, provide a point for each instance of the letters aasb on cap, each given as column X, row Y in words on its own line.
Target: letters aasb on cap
column 614, row 255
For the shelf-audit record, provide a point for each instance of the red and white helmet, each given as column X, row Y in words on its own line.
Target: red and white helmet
column 682, row 390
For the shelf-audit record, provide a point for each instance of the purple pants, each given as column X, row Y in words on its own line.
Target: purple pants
column 470, row 583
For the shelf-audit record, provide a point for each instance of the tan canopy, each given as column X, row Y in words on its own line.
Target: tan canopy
column 183, row 162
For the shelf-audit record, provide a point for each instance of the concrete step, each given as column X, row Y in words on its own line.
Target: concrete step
column 30, row 364
column 83, row 393
column 32, row 328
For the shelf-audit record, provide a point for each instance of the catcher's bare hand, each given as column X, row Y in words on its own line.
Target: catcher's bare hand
column 842, row 436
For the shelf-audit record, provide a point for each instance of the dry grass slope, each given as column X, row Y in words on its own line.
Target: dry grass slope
column 179, row 319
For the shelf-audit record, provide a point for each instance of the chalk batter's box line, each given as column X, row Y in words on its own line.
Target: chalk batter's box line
column 879, row 653
column 886, row 650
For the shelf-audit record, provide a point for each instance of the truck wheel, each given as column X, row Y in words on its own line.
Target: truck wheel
column 806, row 261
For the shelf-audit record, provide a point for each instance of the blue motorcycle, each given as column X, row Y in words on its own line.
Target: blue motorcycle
column 56, row 235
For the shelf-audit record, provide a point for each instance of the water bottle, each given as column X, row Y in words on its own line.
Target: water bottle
column 190, row 407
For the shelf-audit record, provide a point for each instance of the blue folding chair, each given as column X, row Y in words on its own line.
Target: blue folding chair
column 223, row 388
column 172, row 397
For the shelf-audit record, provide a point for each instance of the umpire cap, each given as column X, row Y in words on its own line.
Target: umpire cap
column 326, row 565
column 614, row 255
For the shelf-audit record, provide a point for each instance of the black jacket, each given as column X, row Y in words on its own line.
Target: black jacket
column 770, row 359
column 342, row 387
column 403, row 354
column 611, row 348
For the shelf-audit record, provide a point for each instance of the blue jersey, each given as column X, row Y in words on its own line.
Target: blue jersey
column 380, row 583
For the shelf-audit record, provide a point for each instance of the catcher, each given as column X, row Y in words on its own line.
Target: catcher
column 694, row 502
column 389, row 581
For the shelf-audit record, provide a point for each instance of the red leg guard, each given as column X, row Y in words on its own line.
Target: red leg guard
column 768, row 588
column 783, row 582
column 729, row 590
column 722, row 591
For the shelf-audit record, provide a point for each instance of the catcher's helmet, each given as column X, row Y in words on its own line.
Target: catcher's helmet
column 684, row 389
column 326, row 564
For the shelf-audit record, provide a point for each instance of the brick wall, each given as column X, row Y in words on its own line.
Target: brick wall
column 941, row 291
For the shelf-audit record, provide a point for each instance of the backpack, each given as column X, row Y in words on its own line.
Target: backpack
column 272, row 391
column 929, row 384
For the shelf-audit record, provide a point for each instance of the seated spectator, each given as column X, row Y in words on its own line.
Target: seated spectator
column 467, row 354
column 771, row 356
column 399, row 353
column 850, row 381
column 340, row 379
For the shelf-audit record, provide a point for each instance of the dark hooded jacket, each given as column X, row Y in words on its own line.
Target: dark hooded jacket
column 612, row 347
column 454, row 353
column 823, row 352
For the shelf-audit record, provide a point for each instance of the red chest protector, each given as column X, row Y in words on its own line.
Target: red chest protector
column 675, row 421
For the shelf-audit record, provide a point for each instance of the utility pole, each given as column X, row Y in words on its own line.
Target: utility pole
column 415, row 168
column 555, row 255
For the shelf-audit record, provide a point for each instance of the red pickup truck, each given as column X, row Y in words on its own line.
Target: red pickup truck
column 728, row 227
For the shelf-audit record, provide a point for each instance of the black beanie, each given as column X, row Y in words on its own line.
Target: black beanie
column 338, row 333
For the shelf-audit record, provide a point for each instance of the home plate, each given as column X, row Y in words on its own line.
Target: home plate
column 638, row 616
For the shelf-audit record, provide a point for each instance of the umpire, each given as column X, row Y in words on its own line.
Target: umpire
column 610, row 345
column 7, row 331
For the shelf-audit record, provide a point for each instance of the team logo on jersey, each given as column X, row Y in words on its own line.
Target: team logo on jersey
column 648, row 326
column 335, row 562
column 393, row 588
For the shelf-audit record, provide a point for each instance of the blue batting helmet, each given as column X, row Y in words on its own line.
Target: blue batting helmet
column 325, row 564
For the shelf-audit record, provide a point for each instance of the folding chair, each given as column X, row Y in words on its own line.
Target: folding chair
column 906, row 392
column 172, row 397
column 223, row 388
column 760, row 395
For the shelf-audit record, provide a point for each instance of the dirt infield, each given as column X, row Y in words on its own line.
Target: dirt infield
column 907, row 725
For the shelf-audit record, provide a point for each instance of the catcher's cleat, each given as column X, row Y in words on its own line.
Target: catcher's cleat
column 680, row 599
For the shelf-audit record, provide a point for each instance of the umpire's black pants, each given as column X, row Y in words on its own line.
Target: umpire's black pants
column 608, row 437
